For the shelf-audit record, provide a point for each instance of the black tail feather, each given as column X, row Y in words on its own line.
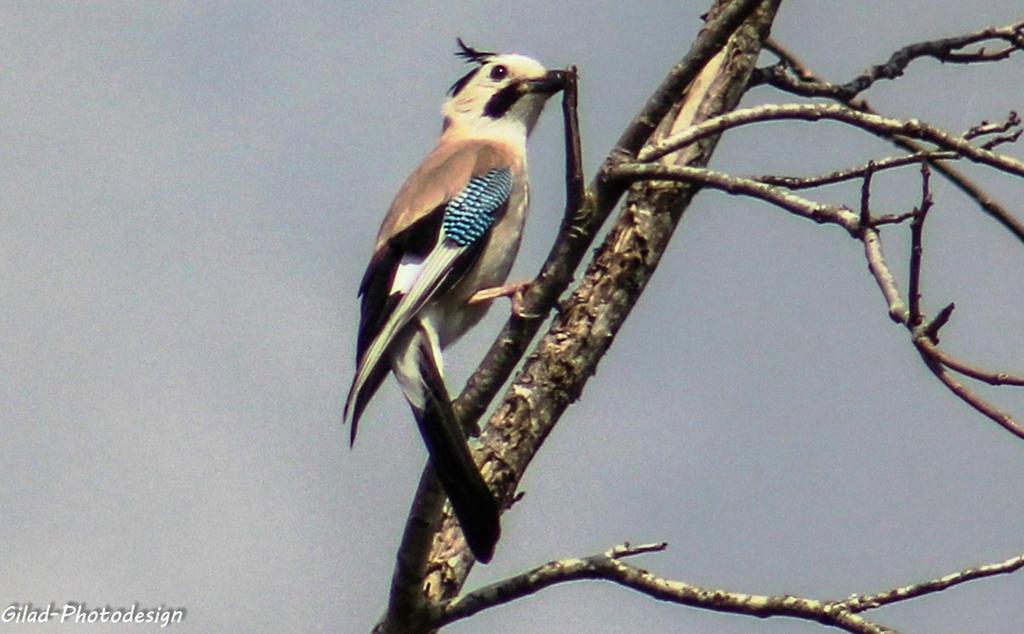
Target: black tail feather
column 472, row 500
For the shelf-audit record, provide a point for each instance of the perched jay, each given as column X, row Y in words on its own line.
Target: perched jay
column 452, row 231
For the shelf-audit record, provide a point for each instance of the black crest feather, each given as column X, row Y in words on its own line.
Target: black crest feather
column 472, row 56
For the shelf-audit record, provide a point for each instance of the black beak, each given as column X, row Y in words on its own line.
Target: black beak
column 549, row 84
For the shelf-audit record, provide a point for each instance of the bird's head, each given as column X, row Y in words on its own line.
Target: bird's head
column 502, row 96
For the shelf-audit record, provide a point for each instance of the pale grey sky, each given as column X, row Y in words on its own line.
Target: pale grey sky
column 188, row 195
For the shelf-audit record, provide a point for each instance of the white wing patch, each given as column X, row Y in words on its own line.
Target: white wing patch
column 406, row 274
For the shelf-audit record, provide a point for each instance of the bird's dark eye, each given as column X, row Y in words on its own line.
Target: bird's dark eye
column 499, row 72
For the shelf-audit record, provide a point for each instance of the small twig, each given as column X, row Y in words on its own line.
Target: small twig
column 1011, row 137
column 931, row 329
column 865, row 196
column 916, row 230
column 985, row 128
column 891, row 219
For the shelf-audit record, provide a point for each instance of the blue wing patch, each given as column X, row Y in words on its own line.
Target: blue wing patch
column 468, row 216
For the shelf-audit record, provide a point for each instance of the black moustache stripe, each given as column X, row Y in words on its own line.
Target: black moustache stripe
column 502, row 101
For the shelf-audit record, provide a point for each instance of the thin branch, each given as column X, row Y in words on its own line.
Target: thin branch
column 737, row 185
column 968, row 396
column 838, row 176
column 955, row 364
column 891, row 219
column 862, row 226
column 788, row 60
column 985, row 128
column 916, row 248
column 945, row 50
column 883, row 276
column 608, row 566
column 882, row 126
column 865, row 196
column 858, row 603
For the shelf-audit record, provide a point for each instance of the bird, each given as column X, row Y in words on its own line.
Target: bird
column 443, row 251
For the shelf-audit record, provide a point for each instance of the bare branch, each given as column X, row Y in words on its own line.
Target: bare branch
column 876, row 124
column 838, row 176
column 865, row 196
column 609, row 566
column 985, row 128
column 931, row 329
column 946, row 50
column 787, row 59
column 859, row 603
column 916, row 249
column 737, row 185
column 883, row 276
column 987, row 376
column 966, row 394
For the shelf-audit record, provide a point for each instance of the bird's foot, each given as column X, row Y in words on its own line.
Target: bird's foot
column 514, row 291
